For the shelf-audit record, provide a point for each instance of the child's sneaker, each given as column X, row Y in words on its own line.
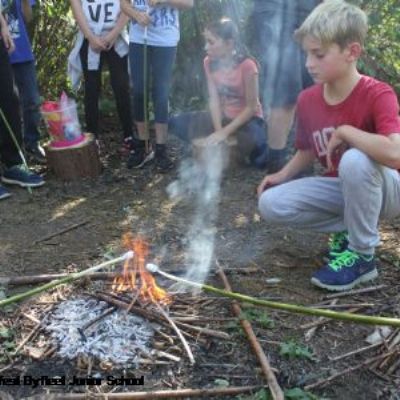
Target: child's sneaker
column 138, row 158
column 163, row 163
column 337, row 243
column 19, row 175
column 345, row 270
column 127, row 146
column 4, row 193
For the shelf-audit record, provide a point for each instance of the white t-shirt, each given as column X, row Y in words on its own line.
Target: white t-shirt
column 163, row 30
column 101, row 15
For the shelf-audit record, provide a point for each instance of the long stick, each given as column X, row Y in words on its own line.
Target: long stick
column 32, row 279
column 160, row 394
column 294, row 308
column 273, row 385
column 67, row 279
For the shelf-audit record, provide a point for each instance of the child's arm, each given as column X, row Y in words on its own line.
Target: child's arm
column 5, row 35
column 214, row 104
column 251, row 93
column 383, row 149
column 112, row 36
column 300, row 161
column 181, row 4
column 27, row 11
column 140, row 17
column 95, row 42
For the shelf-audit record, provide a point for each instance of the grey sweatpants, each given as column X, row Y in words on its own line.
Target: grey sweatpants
column 364, row 192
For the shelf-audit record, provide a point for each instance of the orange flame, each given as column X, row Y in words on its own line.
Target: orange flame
column 134, row 268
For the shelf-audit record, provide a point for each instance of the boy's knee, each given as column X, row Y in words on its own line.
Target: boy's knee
column 356, row 165
column 270, row 207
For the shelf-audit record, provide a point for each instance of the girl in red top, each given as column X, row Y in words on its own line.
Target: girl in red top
column 234, row 105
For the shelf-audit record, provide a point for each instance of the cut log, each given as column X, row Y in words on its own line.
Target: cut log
column 71, row 163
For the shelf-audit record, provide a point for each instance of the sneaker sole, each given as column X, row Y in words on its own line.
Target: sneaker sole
column 339, row 288
column 5, row 196
column 146, row 160
column 22, row 184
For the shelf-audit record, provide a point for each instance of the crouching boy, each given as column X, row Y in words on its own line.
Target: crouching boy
column 350, row 123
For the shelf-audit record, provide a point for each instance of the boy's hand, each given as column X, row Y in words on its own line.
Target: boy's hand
column 335, row 148
column 269, row 181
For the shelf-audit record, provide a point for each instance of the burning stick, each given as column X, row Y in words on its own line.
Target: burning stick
column 128, row 255
column 293, row 308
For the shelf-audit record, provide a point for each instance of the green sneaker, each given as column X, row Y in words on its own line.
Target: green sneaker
column 337, row 243
column 345, row 270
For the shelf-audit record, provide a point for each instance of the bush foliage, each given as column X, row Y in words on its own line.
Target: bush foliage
column 54, row 30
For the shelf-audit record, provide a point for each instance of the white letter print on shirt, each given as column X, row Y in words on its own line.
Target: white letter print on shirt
column 321, row 140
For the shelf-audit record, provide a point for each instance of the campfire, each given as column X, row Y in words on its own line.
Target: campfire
column 135, row 274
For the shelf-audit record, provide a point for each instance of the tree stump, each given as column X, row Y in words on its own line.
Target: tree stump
column 71, row 163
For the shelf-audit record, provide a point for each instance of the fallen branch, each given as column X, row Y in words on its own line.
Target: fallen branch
column 347, row 371
column 61, row 232
column 354, row 352
column 178, row 332
column 31, row 279
column 273, row 385
column 161, row 394
column 67, row 279
column 354, row 292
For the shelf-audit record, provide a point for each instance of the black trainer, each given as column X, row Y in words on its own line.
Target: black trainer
column 139, row 157
column 163, row 163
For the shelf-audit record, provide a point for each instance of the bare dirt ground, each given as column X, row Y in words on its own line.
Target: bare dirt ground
column 122, row 200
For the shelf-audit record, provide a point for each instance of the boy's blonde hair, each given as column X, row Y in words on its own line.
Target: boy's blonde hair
column 335, row 21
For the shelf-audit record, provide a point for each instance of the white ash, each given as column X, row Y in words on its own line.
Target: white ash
column 120, row 338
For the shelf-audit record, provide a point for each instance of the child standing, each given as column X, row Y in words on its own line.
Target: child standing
column 235, row 109
column 350, row 123
column 18, row 14
column 14, row 173
column 102, row 37
column 155, row 29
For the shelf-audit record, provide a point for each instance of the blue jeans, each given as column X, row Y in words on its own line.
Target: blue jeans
column 160, row 61
column 9, row 104
column 25, row 79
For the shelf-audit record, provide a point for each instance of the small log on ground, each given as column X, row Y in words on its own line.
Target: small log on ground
column 71, row 163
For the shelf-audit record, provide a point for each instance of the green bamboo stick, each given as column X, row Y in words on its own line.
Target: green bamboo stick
column 293, row 308
column 61, row 281
column 21, row 154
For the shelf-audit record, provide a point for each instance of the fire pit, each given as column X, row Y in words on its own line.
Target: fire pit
column 77, row 328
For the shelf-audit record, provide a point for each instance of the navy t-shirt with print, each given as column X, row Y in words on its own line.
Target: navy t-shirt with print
column 12, row 9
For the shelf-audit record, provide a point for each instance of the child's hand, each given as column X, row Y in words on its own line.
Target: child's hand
column 97, row 43
column 110, row 39
column 7, row 39
column 269, row 181
column 215, row 138
column 142, row 18
column 153, row 3
column 334, row 149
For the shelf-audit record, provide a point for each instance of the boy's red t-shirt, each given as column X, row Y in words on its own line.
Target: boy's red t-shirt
column 230, row 84
column 372, row 106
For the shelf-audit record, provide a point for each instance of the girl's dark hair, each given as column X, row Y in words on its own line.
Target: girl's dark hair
column 226, row 29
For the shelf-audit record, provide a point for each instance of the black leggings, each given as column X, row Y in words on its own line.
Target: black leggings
column 119, row 82
column 9, row 104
